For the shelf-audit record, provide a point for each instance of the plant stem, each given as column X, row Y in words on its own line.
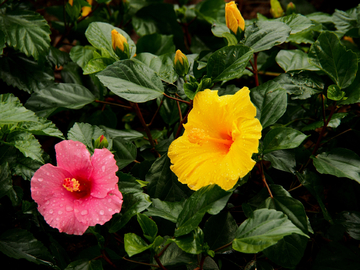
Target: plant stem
column 148, row 264
column 254, row 69
column 177, row 99
column 264, row 179
column 201, row 265
column 222, row 247
column 159, row 262
column 156, row 112
column 113, row 104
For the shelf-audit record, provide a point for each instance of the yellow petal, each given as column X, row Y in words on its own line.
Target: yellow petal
column 233, row 17
column 117, row 40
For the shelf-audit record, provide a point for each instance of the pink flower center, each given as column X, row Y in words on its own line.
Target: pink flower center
column 71, row 184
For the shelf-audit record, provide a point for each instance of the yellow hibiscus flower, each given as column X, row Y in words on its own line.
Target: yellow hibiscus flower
column 219, row 139
column 233, row 17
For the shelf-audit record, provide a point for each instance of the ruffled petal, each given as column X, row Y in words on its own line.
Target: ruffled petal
column 91, row 211
column 75, row 158
column 104, row 176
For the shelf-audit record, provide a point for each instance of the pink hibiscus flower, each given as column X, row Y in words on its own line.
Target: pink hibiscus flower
column 81, row 191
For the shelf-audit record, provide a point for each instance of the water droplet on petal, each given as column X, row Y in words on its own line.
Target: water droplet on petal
column 101, row 212
column 40, row 179
column 109, row 200
column 84, row 212
column 60, row 212
column 69, row 208
column 109, row 209
column 103, row 168
column 51, row 211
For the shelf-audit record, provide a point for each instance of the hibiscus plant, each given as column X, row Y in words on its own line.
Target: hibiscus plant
column 139, row 134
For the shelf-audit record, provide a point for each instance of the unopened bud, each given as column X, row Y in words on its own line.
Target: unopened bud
column 233, row 17
column 101, row 142
column 86, row 10
column 276, row 9
column 181, row 64
column 290, row 8
column 119, row 44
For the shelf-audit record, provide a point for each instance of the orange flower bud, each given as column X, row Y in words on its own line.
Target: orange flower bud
column 118, row 40
column 233, row 17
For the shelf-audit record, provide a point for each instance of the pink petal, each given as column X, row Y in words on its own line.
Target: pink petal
column 75, row 158
column 103, row 177
column 91, row 211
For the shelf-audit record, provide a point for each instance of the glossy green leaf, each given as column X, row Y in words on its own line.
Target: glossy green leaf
column 173, row 255
column 352, row 92
column 263, row 35
column 87, row 134
column 99, row 35
column 21, row 244
column 192, row 243
column 209, row 199
column 301, row 86
column 127, row 183
column 211, row 10
column 134, row 244
column 345, row 20
column 220, row 230
column 163, row 183
column 26, row 167
column 283, row 160
column 270, row 100
column 83, row 264
column 282, row 138
column 81, row 55
column 97, row 64
column 228, row 63
column 124, row 152
column 26, row 31
column 127, row 134
column 340, row 162
column 24, row 73
column 155, row 44
column 167, row 210
column 133, row 203
column 265, row 228
column 12, row 111
column 328, row 54
column 27, row 144
column 148, row 227
column 296, row 22
column 334, row 93
column 66, row 95
column 58, row 58
column 163, row 65
column 294, row 60
column 41, row 127
column 132, row 80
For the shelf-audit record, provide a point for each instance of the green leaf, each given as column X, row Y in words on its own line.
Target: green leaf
column 296, row 22
column 26, row 167
column 173, row 255
column 265, row 228
column 83, row 264
column 5, row 179
column 209, row 199
column 24, row 73
column 345, row 20
column 2, row 41
column 334, row 122
column 340, row 162
column 352, row 92
column 66, row 95
column 211, row 10
column 99, row 35
column 192, row 243
column 334, row 93
column 301, row 86
column 132, row 80
column 155, row 44
column 127, row 183
column 127, row 134
column 220, row 230
column 263, row 35
column 133, row 203
column 20, row 244
column 228, row 63
column 163, row 183
column 87, row 134
column 26, row 31
column 163, row 65
column 58, row 58
column 351, row 222
column 328, row 54
column 81, row 55
column 134, row 244
column 27, row 144
column 283, row 160
column 148, row 227
column 125, row 152
column 12, row 111
column 42, row 127
column 294, row 60
column 167, row 210
column 282, row 138
column 169, row 111
column 270, row 100
column 97, row 65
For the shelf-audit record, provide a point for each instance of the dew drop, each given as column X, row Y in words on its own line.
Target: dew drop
column 109, row 209
column 84, row 212
column 51, row 211
column 47, row 203
column 60, row 212
column 109, row 200
column 101, row 212
column 57, row 219
column 69, row 208
column 40, row 179
column 103, row 168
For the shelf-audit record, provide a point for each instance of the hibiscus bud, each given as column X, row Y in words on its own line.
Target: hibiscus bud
column 181, row 64
column 101, row 142
column 290, row 8
column 233, row 17
column 71, row 2
column 86, row 10
column 120, row 44
column 276, row 9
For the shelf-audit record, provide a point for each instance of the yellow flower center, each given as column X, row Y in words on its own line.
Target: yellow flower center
column 71, row 184
column 199, row 137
